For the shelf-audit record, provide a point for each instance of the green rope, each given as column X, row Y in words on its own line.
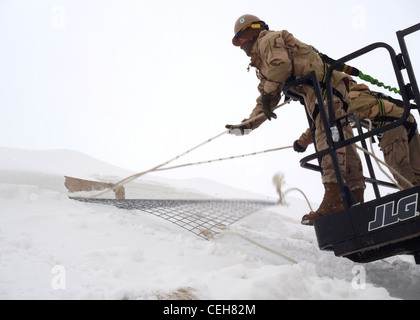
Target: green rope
column 377, row 82
column 355, row 72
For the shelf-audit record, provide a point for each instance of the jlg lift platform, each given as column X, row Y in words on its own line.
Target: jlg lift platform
column 387, row 225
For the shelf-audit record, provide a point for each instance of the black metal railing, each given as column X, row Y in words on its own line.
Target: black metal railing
column 408, row 92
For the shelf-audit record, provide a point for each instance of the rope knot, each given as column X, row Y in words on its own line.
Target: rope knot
column 279, row 181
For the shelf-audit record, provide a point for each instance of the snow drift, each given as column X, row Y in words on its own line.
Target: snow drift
column 52, row 247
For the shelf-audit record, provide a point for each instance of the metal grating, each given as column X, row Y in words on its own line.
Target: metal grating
column 204, row 218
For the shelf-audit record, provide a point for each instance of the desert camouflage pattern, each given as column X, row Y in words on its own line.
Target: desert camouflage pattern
column 277, row 55
column 399, row 153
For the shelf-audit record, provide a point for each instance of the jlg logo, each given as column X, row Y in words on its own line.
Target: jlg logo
column 384, row 214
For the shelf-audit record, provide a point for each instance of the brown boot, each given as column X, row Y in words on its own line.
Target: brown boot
column 358, row 195
column 330, row 204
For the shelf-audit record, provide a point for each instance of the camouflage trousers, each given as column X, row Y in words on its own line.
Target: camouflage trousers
column 402, row 155
column 348, row 158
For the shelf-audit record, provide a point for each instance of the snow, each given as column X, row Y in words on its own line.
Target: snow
column 52, row 247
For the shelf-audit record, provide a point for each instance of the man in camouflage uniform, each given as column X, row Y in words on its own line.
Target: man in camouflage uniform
column 400, row 146
column 278, row 56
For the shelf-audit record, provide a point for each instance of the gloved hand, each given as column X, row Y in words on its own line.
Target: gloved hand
column 266, row 99
column 238, row 131
column 298, row 148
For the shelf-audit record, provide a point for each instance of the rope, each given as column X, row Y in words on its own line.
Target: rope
column 352, row 71
column 260, row 245
column 138, row 175
column 304, row 195
column 156, row 168
column 262, row 114
column 377, row 82
column 379, row 161
column 223, row 159
column 278, row 181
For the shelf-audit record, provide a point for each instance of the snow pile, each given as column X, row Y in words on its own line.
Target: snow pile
column 52, row 247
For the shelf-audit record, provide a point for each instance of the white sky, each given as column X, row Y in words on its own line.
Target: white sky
column 134, row 83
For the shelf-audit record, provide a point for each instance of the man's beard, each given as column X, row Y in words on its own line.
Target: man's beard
column 247, row 46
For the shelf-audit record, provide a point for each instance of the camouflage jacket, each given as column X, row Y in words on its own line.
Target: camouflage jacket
column 278, row 55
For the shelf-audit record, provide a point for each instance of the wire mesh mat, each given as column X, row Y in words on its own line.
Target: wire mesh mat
column 204, row 218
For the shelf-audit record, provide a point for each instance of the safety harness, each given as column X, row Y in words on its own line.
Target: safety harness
column 322, row 84
column 382, row 118
column 337, row 93
column 352, row 71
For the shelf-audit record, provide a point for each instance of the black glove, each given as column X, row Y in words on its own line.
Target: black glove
column 298, row 148
column 238, row 131
column 266, row 99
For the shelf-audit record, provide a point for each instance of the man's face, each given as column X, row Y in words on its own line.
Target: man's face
column 242, row 40
column 246, row 45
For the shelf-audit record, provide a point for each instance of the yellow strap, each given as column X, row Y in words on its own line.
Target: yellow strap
column 382, row 111
column 251, row 25
column 256, row 25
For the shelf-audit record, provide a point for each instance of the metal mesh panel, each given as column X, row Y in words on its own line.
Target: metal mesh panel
column 204, row 218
